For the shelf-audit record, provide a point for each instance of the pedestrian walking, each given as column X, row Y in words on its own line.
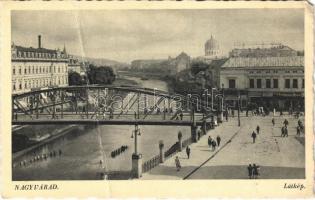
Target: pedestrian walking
column 218, row 140
column 214, row 144
column 181, row 115
column 209, row 141
column 286, row 132
column 177, row 163
column 273, row 122
column 298, row 130
column 286, row 122
column 199, row 133
column 250, row 171
column 254, row 136
column 257, row 129
column 255, row 171
column 188, row 152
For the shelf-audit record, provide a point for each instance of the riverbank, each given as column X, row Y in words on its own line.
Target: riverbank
column 57, row 134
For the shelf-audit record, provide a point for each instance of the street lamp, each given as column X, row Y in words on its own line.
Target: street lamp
column 221, row 109
column 238, row 110
column 136, row 132
column 212, row 98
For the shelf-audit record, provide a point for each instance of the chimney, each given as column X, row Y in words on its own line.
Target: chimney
column 39, row 41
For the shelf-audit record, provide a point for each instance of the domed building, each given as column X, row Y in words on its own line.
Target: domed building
column 212, row 48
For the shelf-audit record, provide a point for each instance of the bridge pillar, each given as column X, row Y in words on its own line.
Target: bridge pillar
column 161, row 147
column 194, row 133
column 136, row 165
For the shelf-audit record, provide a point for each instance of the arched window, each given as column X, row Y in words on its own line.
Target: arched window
column 25, row 71
column 14, row 88
column 29, row 69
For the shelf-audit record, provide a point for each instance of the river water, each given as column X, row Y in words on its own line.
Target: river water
column 83, row 148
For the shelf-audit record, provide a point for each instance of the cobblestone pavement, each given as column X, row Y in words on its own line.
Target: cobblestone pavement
column 278, row 157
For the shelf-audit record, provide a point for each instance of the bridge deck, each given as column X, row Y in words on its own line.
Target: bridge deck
column 107, row 122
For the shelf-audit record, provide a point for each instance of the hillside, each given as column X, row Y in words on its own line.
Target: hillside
column 103, row 62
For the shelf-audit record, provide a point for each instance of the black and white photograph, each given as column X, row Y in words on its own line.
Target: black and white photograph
column 158, row 94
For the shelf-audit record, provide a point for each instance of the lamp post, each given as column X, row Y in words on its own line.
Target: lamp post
column 238, row 109
column 221, row 106
column 212, row 98
column 222, row 102
column 136, row 157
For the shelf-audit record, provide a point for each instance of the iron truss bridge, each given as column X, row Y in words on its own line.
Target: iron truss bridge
column 109, row 105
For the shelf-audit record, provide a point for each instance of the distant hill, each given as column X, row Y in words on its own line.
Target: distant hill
column 103, row 62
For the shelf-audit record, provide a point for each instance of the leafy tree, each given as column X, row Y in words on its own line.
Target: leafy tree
column 74, row 78
column 198, row 66
column 100, row 75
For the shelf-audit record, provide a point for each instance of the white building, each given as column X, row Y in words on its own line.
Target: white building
column 276, row 82
column 36, row 68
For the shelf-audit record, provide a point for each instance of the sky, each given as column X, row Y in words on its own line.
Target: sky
column 126, row 35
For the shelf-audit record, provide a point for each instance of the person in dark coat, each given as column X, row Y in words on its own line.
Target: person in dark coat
column 283, row 131
column 254, row 136
column 286, row 123
column 218, row 140
column 250, row 171
column 273, row 122
column 286, row 131
column 256, row 170
column 298, row 130
column 181, row 115
column 188, row 151
column 257, row 129
column 214, row 144
column 199, row 133
column 209, row 141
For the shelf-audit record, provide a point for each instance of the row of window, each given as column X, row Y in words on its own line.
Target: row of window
column 40, row 70
column 36, row 55
column 28, row 84
column 276, row 71
column 275, row 83
column 269, row 83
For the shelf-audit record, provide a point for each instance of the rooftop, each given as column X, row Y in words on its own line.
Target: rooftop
column 250, row 62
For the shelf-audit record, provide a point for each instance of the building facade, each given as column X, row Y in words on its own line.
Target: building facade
column 36, row 68
column 167, row 66
column 273, row 82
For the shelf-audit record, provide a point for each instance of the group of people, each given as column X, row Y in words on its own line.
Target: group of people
column 39, row 158
column 253, row 171
column 214, row 143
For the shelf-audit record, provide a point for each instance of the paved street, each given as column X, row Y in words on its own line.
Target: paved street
column 278, row 157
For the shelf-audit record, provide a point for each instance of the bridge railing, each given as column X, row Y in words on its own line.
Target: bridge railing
column 150, row 164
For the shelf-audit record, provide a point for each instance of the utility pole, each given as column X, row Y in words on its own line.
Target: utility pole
column 238, row 110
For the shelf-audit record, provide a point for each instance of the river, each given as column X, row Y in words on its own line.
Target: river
column 83, row 148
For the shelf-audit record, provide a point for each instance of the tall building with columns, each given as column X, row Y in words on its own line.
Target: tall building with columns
column 37, row 68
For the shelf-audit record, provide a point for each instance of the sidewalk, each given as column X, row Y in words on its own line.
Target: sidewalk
column 200, row 153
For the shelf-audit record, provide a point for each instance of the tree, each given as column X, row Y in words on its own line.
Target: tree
column 100, row 75
column 74, row 78
column 198, row 66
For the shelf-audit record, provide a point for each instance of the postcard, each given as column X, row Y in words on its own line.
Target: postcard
column 157, row 99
